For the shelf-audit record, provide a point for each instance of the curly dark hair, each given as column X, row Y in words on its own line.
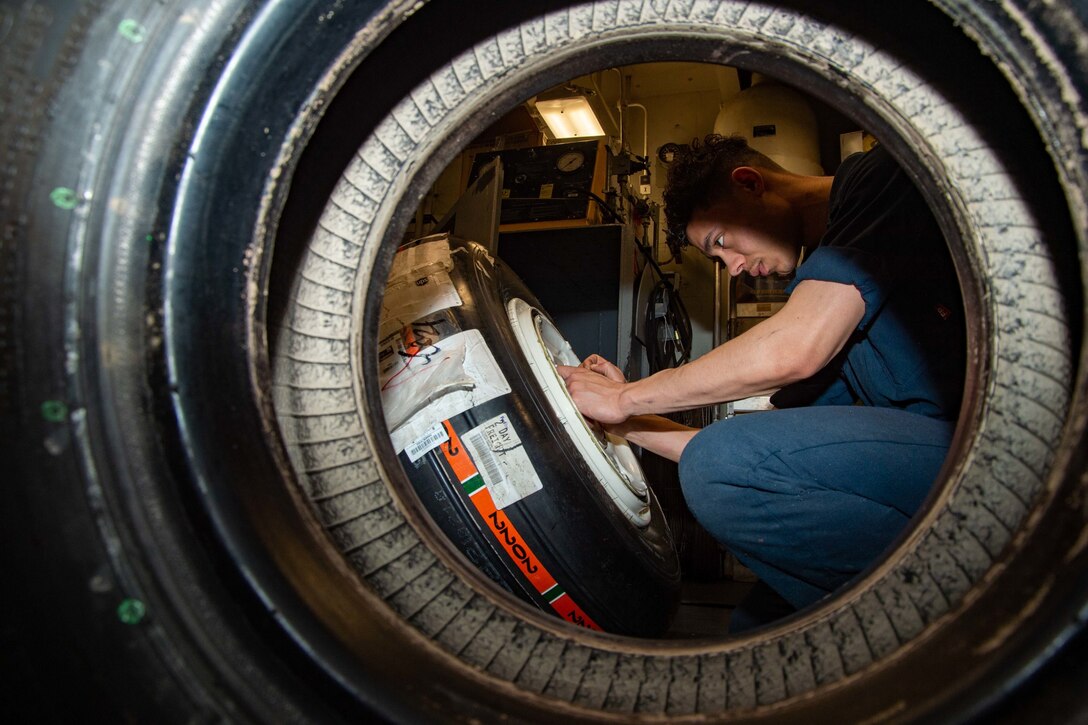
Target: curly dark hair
column 699, row 176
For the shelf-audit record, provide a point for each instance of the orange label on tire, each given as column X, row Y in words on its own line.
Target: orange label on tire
column 504, row 531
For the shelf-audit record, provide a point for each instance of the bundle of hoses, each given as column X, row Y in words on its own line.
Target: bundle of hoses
column 667, row 334
column 667, row 339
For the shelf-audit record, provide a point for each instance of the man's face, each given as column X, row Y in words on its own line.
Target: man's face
column 759, row 236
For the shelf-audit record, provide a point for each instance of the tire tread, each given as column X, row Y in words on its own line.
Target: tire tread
column 1028, row 400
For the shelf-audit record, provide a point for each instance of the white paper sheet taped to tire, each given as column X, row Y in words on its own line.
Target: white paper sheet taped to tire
column 497, row 451
column 423, row 385
column 419, row 285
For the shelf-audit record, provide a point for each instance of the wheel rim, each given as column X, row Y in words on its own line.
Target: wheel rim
column 611, row 460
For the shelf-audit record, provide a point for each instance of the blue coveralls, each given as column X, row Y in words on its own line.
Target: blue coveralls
column 807, row 497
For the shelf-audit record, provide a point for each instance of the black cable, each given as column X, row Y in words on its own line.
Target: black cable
column 604, row 206
column 668, row 328
column 649, row 254
column 668, row 334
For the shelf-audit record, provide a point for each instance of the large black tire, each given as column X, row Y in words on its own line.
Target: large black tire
column 168, row 560
column 562, row 544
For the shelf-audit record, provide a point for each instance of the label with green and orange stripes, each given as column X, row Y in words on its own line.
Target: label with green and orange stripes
column 502, row 528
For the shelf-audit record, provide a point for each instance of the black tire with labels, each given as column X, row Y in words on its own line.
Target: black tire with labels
column 564, row 547
column 182, row 185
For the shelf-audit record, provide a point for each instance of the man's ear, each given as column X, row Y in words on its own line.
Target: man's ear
column 749, row 179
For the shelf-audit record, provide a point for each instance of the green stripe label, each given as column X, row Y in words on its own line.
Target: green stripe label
column 553, row 593
column 473, row 485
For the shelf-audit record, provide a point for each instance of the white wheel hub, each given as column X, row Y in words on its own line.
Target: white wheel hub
column 609, row 457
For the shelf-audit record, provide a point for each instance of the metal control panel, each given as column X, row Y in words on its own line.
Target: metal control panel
column 548, row 185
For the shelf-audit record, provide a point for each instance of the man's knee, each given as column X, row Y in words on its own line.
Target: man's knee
column 692, row 465
column 712, row 486
column 725, row 452
column 700, row 464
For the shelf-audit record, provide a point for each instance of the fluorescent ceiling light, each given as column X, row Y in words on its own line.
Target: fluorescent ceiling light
column 570, row 117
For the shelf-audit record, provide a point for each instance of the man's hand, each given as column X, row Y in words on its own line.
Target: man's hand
column 596, row 386
column 598, row 364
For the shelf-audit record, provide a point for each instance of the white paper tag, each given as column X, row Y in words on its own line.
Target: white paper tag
column 425, row 385
column 502, row 461
column 431, row 252
column 419, row 284
column 409, row 299
column 436, row 436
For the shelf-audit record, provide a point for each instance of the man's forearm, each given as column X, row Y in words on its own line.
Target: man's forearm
column 742, row 367
column 797, row 342
column 662, row 436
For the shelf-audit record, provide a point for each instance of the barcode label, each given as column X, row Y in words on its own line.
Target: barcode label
column 502, row 461
column 434, row 436
column 485, row 459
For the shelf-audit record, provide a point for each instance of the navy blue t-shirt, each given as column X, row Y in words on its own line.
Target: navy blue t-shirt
column 909, row 350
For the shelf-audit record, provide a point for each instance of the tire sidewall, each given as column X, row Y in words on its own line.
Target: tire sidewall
column 874, row 616
column 218, row 237
column 625, row 577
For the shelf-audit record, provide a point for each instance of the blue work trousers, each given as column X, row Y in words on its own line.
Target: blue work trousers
column 807, row 498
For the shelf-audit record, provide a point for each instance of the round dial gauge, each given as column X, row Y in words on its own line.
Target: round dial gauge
column 570, row 161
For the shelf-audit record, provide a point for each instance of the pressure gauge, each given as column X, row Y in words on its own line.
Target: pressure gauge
column 570, row 161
